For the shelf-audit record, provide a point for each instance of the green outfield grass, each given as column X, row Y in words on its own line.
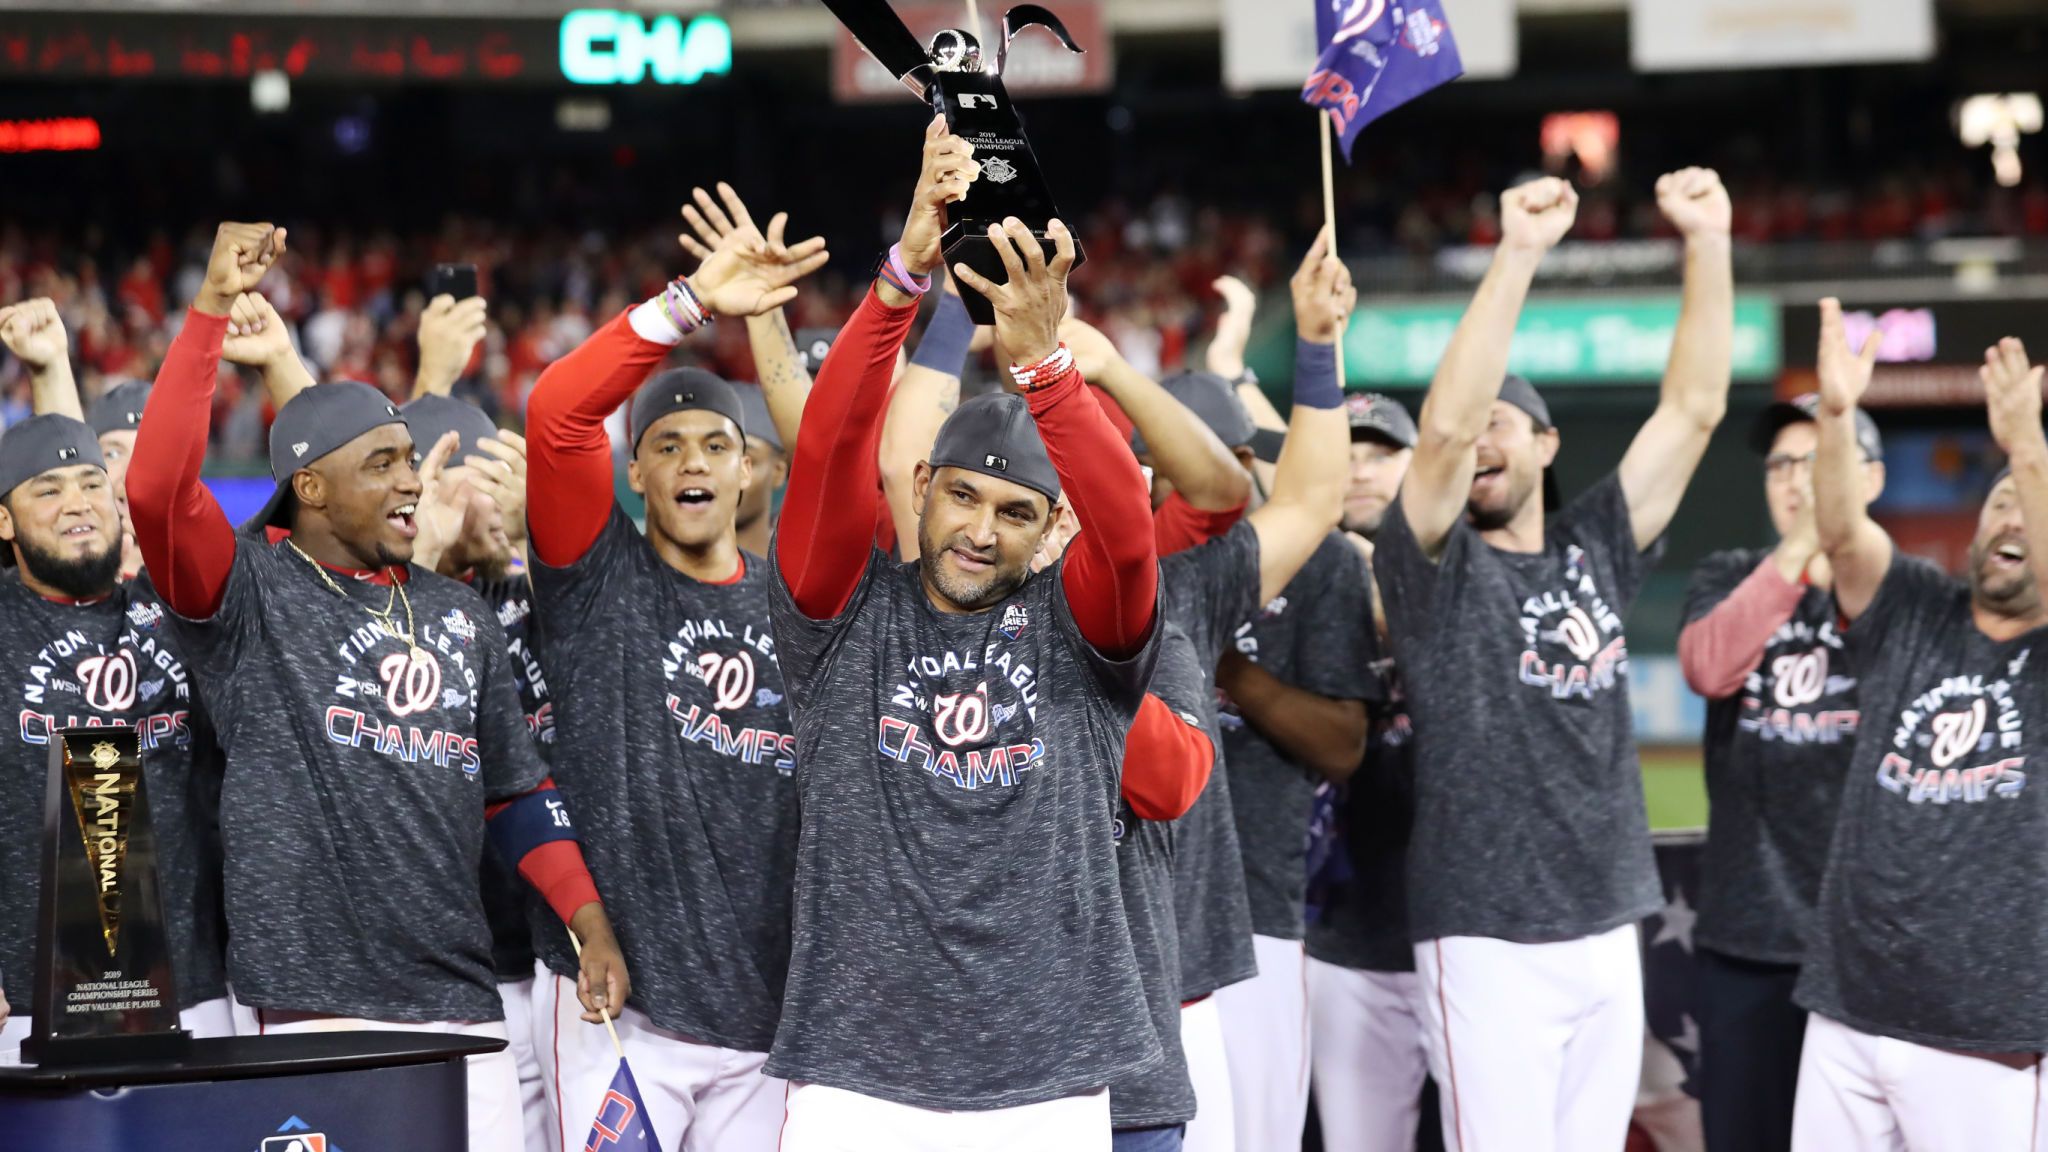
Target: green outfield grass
column 1675, row 787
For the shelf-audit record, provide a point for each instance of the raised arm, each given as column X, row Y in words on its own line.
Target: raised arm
column 450, row 330
column 923, row 398
column 2012, row 398
column 1112, row 573
column 827, row 528
column 1534, row 217
column 34, row 332
column 785, row 385
column 185, row 538
column 1858, row 551
column 1718, row 651
column 1314, row 467
column 1661, row 460
column 569, row 464
column 258, row 338
column 1183, row 449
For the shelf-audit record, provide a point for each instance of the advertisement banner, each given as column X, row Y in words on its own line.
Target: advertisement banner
column 1928, row 349
column 1583, row 340
column 1037, row 66
column 1272, row 44
column 1681, row 35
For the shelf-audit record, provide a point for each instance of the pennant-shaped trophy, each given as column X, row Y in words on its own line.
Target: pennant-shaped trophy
column 957, row 81
column 103, row 988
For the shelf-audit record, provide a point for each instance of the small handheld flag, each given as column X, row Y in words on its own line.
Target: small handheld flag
column 621, row 1124
column 1377, row 55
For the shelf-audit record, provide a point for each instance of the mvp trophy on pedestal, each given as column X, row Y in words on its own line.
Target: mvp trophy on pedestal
column 954, row 78
column 103, row 990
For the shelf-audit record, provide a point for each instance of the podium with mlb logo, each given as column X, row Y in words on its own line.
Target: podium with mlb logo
column 309, row 1092
column 110, row 1066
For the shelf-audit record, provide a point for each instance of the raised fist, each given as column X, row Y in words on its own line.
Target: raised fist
column 1536, row 215
column 257, row 335
column 1323, row 294
column 1694, row 201
column 34, row 332
column 949, row 168
column 242, row 253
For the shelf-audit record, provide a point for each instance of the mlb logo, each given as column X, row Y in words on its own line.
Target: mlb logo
column 1015, row 617
column 297, row 1142
column 996, row 462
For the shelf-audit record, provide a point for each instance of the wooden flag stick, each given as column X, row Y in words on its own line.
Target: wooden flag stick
column 603, row 1010
column 1329, row 221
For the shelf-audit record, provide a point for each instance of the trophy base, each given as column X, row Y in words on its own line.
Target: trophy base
column 966, row 242
column 66, row 1051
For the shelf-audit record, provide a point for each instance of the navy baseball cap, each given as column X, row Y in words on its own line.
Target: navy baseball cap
column 119, row 409
column 1805, row 407
column 432, row 417
column 1375, row 416
column 1521, row 394
column 313, row 424
column 1214, row 400
column 994, row 434
column 683, row 390
column 758, row 425
column 41, row 444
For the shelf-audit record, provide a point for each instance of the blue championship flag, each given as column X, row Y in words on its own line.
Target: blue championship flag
column 1376, row 56
column 621, row 1124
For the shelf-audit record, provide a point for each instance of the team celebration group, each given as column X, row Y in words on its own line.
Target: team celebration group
column 1090, row 763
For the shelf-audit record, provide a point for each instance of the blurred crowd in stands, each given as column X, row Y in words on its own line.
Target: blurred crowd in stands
column 354, row 298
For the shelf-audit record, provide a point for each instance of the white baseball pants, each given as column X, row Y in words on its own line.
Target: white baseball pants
column 1367, row 1057
column 1265, row 1036
column 494, row 1119
column 1535, row 1047
column 1865, row 1093
column 534, row 1116
column 1214, row 1128
column 822, row 1119
column 699, row 1097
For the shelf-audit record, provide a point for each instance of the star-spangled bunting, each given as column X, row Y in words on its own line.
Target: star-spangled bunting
column 1376, row 55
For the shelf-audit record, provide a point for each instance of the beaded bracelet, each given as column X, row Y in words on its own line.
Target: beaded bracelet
column 1045, row 373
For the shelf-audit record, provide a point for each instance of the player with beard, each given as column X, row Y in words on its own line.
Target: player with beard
column 1760, row 642
column 83, row 649
column 368, row 718
column 672, row 733
column 34, row 331
column 962, row 971
column 1928, row 992
column 1530, row 861
column 1365, row 1001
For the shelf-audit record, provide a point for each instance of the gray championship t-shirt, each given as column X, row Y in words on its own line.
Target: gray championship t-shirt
column 1364, row 921
column 109, row 663
column 352, row 813
column 1210, row 590
column 1529, row 818
column 506, row 897
column 1308, row 636
column 1777, row 752
column 1933, row 923
column 675, row 752
column 959, row 935
column 1161, row 1094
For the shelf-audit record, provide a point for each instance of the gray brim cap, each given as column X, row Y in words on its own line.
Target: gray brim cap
column 1376, row 416
column 432, row 417
column 119, row 409
column 1806, row 407
column 1214, row 400
column 41, row 444
column 313, row 424
column 993, row 434
column 683, row 390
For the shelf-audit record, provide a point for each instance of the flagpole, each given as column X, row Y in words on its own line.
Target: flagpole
column 974, row 20
column 1329, row 219
column 603, row 1009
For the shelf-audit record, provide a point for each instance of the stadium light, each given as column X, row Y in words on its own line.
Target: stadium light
column 2000, row 121
column 1592, row 137
column 600, row 46
column 270, row 91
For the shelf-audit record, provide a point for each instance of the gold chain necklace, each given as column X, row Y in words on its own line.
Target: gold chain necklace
column 383, row 618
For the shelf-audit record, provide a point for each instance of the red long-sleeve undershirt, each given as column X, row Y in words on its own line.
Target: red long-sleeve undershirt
column 1166, row 762
column 188, row 545
column 568, row 455
column 827, row 528
column 186, row 541
column 1112, row 574
column 1718, row 651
